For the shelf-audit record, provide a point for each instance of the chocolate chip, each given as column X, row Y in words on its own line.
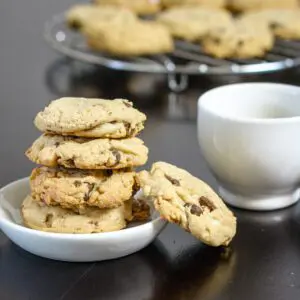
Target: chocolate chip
column 70, row 163
column 77, row 183
column 173, row 180
column 204, row 201
column 127, row 103
column 49, row 220
column 187, row 226
column 96, row 223
column 240, row 43
column 135, row 188
column 196, row 210
column 216, row 40
column 128, row 128
column 275, row 25
column 57, row 144
column 90, row 187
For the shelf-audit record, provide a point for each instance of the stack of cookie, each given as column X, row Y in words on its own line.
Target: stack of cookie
column 87, row 151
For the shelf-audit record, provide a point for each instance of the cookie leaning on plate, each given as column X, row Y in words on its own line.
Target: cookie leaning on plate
column 80, row 189
column 192, row 23
column 129, row 39
column 140, row 7
column 56, row 219
column 189, row 202
column 83, row 153
column 91, row 118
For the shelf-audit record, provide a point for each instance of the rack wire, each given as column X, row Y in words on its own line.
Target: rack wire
column 187, row 58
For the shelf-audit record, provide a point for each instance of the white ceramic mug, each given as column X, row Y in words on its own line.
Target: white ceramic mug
column 249, row 135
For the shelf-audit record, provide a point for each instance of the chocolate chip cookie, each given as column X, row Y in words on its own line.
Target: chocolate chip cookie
column 56, row 219
column 284, row 23
column 238, row 39
column 91, row 118
column 83, row 153
column 140, row 7
column 187, row 201
column 192, row 23
column 81, row 14
column 78, row 190
column 129, row 39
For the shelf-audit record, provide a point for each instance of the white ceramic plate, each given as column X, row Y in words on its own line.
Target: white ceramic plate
column 70, row 247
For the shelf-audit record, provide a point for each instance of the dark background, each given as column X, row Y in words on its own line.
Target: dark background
column 263, row 261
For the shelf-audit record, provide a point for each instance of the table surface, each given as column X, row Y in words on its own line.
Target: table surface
column 263, row 261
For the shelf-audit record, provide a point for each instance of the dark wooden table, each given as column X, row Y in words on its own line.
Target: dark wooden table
column 263, row 262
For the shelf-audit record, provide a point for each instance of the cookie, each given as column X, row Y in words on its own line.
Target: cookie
column 56, row 219
column 91, row 118
column 140, row 7
column 78, row 190
column 240, row 39
column 83, row 153
column 81, row 14
column 284, row 23
column 206, row 3
column 191, row 23
column 189, row 202
column 250, row 5
column 129, row 39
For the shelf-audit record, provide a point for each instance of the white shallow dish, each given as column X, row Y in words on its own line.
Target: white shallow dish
column 70, row 247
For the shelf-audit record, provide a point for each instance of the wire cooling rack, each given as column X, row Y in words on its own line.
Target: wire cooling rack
column 187, row 58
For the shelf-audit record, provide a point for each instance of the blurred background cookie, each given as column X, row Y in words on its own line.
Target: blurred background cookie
column 284, row 23
column 240, row 39
column 192, row 23
column 79, row 15
column 129, row 39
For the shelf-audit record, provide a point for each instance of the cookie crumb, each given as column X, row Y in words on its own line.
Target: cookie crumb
column 173, row 180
